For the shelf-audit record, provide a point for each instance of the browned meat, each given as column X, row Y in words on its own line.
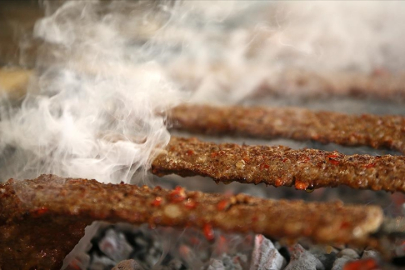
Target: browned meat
column 380, row 84
column 39, row 243
column 295, row 123
column 56, row 205
column 280, row 166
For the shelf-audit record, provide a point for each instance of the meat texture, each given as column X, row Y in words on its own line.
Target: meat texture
column 294, row 123
column 62, row 207
column 280, row 166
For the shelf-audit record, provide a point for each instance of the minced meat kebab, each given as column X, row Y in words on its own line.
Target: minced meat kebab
column 48, row 216
column 295, row 123
column 280, row 166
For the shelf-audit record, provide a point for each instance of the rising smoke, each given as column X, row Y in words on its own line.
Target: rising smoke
column 242, row 45
column 97, row 108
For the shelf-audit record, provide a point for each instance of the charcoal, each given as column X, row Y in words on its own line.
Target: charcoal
column 265, row 255
column 146, row 249
column 285, row 253
column 174, row 264
column 227, row 262
column 101, row 263
column 216, row 265
column 345, row 256
column 301, row 259
column 233, row 263
column 128, row 265
column 79, row 257
column 348, row 252
column 371, row 254
column 398, row 261
column 115, row 246
column 153, row 256
column 326, row 255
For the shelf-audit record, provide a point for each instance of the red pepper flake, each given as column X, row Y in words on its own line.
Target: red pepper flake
column 263, row 166
column 223, row 205
column 177, row 195
column 39, row 212
column 157, row 188
column 189, row 152
column 300, row 185
column 332, row 160
column 208, row 232
column 157, row 201
column 278, row 182
column 190, row 204
column 370, row 165
column 333, row 155
column 365, row 264
column 214, row 154
column 285, row 160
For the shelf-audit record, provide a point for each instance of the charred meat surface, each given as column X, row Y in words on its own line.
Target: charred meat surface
column 280, row 166
column 294, row 123
column 39, row 242
column 65, row 203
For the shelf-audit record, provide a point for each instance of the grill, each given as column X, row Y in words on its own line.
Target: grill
column 297, row 166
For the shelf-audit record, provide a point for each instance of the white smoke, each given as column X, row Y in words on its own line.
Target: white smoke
column 97, row 108
column 247, row 44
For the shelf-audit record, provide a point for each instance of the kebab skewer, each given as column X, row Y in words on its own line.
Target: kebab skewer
column 294, row 123
column 280, row 166
column 49, row 214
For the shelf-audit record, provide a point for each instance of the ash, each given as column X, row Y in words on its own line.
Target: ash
column 125, row 247
column 128, row 247
column 116, row 243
